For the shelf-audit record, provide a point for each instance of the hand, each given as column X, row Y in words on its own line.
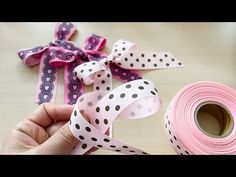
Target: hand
column 44, row 131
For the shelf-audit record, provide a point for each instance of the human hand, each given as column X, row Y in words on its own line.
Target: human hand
column 44, row 131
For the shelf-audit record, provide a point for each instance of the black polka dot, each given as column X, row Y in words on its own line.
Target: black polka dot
column 81, row 137
column 153, row 93
column 99, row 145
column 90, row 70
column 168, row 122
column 94, row 139
column 155, row 65
column 81, row 99
column 75, row 113
column 108, row 88
column 145, row 82
column 179, row 63
column 108, row 75
column 98, row 75
column 119, row 54
column 169, row 132
column 131, row 151
column 160, row 60
column 112, row 146
column 106, row 63
column 106, row 140
column 165, row 125
column 128, row 86
column 175, row 138
column 178, row 147
column 172, row 59
column 88, row 129
column 77, row 126
column 82, row 79
column 154, row 55
column 149, row 60
column 97, row 121
column 126, row 59
column 119, row 63
column 123, row 48
column 131, row 54
column 82, row 111
column 111, row 96
column 97, row 88
column 167, row 64
column 90, row 104
column 85, row 64
column 107, row 108
column 75, row 73
column 181, row 154
column 117, row 107
column 156, row 90
column 117, row 150
column 142, row 55
column 84, row 146
column 93, row 63
column 70, row 122
column 144, row 153
column 99, row 97
column 125, row 147
column 115, row 50
column 103, row 82
column 143, row 65
column 137, row 60
column 105, row 121
column 123, row 42
column 166, row 55
column 171, row 140
column 186, row 152
column 74, row 147
column 97, row 109
column 135, row 95
column 140, row 87
column 131, row 64
column 122, row 95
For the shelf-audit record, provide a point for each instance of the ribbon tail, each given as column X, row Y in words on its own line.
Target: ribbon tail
column 47, row 81
column 124, row 75
column 74, row 87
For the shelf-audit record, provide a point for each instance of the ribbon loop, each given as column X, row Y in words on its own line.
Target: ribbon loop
column 136, row 99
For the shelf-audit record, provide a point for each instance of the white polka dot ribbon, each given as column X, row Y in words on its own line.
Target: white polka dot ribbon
column 124, row 54
column 133, row 100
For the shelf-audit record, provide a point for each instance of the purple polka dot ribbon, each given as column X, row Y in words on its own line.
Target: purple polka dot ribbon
column 133, row 100
column 58, row 53
column 125, row 55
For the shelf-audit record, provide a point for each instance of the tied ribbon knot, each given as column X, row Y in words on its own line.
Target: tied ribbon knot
column 124, row 55
column 59, row 53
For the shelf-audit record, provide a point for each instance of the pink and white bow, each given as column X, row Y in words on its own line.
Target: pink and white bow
column 126, row 56
column 133, row 100
column 58, row 53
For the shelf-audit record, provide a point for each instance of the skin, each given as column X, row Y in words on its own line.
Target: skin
column 44, row 131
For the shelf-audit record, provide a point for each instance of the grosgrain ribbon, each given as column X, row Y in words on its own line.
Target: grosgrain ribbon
column 180, row 121
column 126, row 56
column 60, row 53
column 133, row 100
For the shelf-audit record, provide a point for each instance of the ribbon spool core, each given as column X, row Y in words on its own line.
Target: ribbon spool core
column 214, row 120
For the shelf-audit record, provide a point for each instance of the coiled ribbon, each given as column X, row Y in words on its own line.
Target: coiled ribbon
column 186, row 134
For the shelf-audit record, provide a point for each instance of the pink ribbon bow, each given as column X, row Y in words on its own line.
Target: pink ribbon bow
column 60, row 53
column 126, row 56
column 133, row 100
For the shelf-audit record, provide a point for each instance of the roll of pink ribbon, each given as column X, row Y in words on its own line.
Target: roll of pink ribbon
column 191, row 106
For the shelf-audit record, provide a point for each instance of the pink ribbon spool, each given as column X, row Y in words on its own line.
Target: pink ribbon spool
column 187, row 134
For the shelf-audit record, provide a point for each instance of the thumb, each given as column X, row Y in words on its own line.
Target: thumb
column 61, row 142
